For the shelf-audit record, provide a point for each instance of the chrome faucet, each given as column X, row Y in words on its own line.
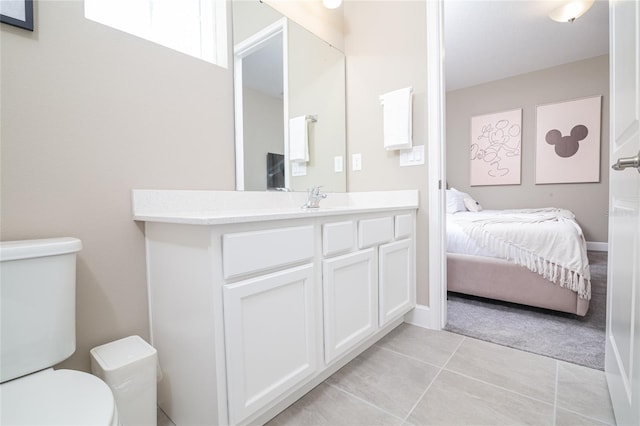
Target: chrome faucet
column 314, row 198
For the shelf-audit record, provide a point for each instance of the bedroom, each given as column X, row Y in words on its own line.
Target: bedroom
column 537, row 69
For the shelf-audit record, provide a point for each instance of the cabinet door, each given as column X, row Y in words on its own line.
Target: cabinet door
column 350, row 301
column 397, row 280
column 270, row 334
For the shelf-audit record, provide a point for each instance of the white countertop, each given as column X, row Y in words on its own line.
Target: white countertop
column 222, row 207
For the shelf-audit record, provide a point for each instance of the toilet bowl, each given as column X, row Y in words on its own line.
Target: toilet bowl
column 57, row 397
column 37, row 316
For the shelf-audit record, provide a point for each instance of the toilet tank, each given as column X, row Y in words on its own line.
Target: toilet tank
column 37, row 304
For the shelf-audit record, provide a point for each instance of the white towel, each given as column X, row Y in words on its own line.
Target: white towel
column 298, row 139
column 397, row 119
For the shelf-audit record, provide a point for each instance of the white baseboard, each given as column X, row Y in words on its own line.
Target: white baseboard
column 595, row 246
column 422, row 316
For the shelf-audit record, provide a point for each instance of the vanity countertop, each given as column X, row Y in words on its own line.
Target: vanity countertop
column 223, row 207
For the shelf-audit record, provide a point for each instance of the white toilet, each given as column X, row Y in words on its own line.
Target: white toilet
column 37, row 308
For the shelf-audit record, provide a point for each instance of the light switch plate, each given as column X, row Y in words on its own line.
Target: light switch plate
column 338, row 164
column 412, row 156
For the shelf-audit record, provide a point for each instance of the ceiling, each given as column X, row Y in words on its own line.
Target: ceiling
column 487, row 40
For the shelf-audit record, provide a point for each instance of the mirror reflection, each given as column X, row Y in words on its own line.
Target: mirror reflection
column 290, row 104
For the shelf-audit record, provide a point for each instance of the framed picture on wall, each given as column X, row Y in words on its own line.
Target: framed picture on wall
column 18, row 13
column 568, row 141
column 496, row 141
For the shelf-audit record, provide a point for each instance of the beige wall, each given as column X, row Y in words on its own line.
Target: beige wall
column 589, row 201
column 88, row 113
column 385, row 44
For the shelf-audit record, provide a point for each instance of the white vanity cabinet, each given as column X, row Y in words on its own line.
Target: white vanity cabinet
column 249, row 313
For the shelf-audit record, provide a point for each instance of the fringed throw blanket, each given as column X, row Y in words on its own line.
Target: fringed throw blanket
column 546, row 241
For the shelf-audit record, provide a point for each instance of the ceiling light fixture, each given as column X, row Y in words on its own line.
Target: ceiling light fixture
column 570, row 11
column 331, row 4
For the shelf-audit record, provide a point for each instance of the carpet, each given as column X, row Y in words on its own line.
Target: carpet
column 568, row 337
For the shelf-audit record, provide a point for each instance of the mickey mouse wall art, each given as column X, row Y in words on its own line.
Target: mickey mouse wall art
column 568, row 141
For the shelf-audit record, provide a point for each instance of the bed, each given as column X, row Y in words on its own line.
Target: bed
column 534, row 257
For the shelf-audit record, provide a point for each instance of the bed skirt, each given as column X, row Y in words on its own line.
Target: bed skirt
column 502, row 280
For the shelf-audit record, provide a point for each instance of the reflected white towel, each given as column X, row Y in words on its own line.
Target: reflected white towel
column 298, row 139
column 397, row 118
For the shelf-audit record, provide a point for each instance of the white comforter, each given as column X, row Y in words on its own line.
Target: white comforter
column 546, row 241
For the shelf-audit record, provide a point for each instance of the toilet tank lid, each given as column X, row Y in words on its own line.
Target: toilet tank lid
column 25, row 249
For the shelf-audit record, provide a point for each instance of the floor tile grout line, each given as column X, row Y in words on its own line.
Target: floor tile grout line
column 499, row 387
column 584, row 416
column 555, row 394
column 411, row 357
column 464, row 338
column 335, row 386
column 413, row 407
column 556, row 406
column 433, row 380
column 493, row 384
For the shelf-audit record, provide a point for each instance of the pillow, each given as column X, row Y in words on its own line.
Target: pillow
column 472, row 205
column 455, row 200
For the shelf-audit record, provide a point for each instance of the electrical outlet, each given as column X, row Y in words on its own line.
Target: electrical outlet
column 356, row 162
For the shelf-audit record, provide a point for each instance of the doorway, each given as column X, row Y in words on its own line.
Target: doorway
column 483, row 105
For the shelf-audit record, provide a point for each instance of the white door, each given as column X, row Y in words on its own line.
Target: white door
column 350, row 292
column 270, row 325
column 622, row 360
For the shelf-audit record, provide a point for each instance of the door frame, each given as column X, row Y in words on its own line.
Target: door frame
column 437, row 310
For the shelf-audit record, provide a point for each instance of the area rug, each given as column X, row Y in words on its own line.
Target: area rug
column 568, row 337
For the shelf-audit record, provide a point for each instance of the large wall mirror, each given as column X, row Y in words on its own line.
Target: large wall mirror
column 289, row 98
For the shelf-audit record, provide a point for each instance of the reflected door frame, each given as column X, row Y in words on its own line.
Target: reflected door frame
column 240, row 51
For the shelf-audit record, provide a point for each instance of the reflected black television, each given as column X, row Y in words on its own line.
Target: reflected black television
column 275, row 170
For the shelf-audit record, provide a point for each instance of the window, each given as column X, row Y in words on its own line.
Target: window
column 195, row 27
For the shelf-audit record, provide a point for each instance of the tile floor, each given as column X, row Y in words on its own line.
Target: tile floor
column 415, row 376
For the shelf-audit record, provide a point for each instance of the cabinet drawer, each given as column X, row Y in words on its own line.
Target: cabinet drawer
column 337, row 237
column 404, row 226
column 255, row 251
column 375, row 231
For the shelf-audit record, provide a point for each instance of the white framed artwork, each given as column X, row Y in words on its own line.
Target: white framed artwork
column 568, row 141
column 496, row 142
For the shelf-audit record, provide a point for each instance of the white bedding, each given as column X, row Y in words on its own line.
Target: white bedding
column 460, row 242
column 546, row 241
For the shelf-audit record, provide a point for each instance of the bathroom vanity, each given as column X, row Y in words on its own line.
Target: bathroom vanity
column 254, row 301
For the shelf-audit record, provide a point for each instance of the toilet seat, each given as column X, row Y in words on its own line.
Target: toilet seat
column 57, row 397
